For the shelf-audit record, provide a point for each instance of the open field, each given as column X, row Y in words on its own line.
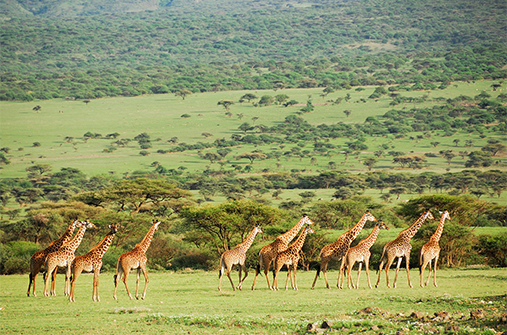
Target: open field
column 160, row 117
column 189, row 302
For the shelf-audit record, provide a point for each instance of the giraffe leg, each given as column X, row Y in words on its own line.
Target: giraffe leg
column 407, row 260
column 138, row 279
column 257, row 271
column 289, row 275
column 125, row 275
column 324, row 272
column 342, row 269
column 358, row 274
column 295, row 282
column 435, row 272
column 430, row 269
column 349, row 274
column 34, row 271
column 367, row 269
column 117, row 276
column 228, row 273
column 96, row 273
column 67, row 281
column 75, row 273
column 146, row 281
column 388, row 266
column 53, row 282
column 245, row 270
column 266, row 271
column 49, row 268
column 379, row 273
column 276, row 271
column 421, row 270
column 397, row 270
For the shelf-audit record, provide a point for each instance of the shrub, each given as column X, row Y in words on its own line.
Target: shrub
column 15, row 257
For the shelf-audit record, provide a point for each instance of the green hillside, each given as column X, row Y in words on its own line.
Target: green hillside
column 63, row 49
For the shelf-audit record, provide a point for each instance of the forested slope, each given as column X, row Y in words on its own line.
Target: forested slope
column 133, row 47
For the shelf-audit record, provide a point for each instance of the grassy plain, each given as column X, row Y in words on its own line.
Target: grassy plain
column 189, row 302
column 160, row 117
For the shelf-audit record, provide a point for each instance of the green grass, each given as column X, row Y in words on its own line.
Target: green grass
column 190, row 302
column 160, row 117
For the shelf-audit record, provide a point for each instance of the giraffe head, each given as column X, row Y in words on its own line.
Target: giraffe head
column 369, row 217
column 445, row 215
column 75, row 224
column 309, row 230
column 382, row 225
column 258, row 230
column 306, row 219
column 428, row 215
column 114, row 228
column 155, row 224
column 88, row 224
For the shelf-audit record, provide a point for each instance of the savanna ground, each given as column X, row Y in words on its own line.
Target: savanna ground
column 189, row 302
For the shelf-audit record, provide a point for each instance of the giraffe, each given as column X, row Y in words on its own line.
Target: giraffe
column 236, row 256
column 269, row 252
column 361, row 254
column 339, row 248
column 431, row 250
column 400, row 247
column 135, row 259
column 290, row 257
column 63, row 258
column 92, row 261
column 38, row 258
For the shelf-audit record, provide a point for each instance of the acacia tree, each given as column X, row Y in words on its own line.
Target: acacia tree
column 183, row 93
column 252, row 156
column 151, row 195
column 221, row 227
column 226, row 104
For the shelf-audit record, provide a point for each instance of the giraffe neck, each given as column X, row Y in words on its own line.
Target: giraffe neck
column 412, row 230
column 370, row 240
column 298, row 245
column 245, row 245
column 73, row 244
column 145, row 243
column 67, row 235
column 101, row 248
column 352, row 233
column 438, row 233
column 289, row 235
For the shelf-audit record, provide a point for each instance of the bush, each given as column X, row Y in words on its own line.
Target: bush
column 15, row 257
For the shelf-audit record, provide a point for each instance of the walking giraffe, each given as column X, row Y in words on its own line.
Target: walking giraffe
column 92, row 261
column 431, row 250
column 361, row 254
column 290, row 257
column 400, row 247
column 135, row 259
column 339, row 248
column 37, row 260
column 236, row 256
column 63, row 258
column 269, row 252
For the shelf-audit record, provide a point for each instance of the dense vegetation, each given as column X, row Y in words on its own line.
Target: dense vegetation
column 247, row 45
column 52, row 49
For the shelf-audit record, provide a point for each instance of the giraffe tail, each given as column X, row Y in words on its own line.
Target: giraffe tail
column 318, row 270
column 258, row 269
column 114, row 278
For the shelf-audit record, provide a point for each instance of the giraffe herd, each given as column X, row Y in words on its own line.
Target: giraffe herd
column 60, row 253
